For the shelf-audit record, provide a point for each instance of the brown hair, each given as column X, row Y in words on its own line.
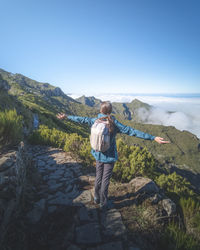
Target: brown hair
column 106, row 109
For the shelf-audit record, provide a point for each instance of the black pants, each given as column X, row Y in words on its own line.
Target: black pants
column 102, row 181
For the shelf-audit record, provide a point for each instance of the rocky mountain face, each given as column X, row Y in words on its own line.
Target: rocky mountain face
column 129, row 111
column 3, row 84
column 90, row 101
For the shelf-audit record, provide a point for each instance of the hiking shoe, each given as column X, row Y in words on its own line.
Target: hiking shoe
column 109, row 205
column 96, row 201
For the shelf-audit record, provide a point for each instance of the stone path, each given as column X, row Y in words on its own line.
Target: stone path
column 63, row 184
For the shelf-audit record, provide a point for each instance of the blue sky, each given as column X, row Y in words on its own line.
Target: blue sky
column 104, row 46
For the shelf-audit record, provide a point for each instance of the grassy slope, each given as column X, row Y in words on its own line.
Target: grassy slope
column 183, row 149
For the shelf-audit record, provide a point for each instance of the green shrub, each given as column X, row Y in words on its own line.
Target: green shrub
column 175, row 238
column 175, row 185
column 133, row 161
column 74, row 143
column 10, row 127
column 46, row 136
column 191, row 212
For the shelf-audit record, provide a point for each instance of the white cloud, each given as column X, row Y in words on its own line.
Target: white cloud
column 185, row 116
column 160, row 116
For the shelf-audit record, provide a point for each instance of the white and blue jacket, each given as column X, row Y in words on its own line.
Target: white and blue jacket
column 111, row 154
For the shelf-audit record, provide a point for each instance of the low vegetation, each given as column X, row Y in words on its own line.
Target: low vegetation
column 133, row 161
column 10, row 127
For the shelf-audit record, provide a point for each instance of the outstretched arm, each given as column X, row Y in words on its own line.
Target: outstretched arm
column 79, row 119
column 134, row 132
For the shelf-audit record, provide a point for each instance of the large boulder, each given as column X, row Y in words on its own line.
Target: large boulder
column 143, row 185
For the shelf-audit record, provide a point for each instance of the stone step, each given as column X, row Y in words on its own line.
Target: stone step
column 112, row 224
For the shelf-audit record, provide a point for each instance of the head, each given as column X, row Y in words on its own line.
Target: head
column 106, row 108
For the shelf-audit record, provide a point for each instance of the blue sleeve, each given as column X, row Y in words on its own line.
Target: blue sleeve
column 133, row 132
column 80, row 119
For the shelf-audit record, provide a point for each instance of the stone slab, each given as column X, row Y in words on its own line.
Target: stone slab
column 88, row 234
column 83, row 198
column 112, row 223
column 109, row 246
column 87, row 214
column 36, row 213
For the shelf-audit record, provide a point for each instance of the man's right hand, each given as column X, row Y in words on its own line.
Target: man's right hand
column 61, row 116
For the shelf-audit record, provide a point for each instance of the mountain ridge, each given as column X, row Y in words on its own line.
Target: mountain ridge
column 28, row 97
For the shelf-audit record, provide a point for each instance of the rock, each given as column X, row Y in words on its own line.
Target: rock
column 73, row 247
column 144, row 185
column 88, row 234
column 41, row 163
column 55, row 186
column 112, row 222
column 51, row 209
column 5, row 163
column 45, row 177
column 155, row 199
column 69, row 173
column 61, row 199
column 68, row 188
column 36, row 213
column 83, row 178
column 134, row 248
column 59, row 172
column 92, row 192
column 169, row 206
column 51, row 162
column 54, row 177
column 51, row 167
column 92, row 179
column 109, row 246
column 74, row 193
column 51, row 182
column 4, row 84
column 51, row 196
column 87, row 214
column 83, row 198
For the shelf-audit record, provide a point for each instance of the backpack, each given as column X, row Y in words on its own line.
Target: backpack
column 100, row 135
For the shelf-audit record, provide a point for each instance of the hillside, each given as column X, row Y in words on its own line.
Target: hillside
column 30, row 97
column 41, row 96
column 184, row 149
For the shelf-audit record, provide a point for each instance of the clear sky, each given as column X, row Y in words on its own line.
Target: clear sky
column 104, row 46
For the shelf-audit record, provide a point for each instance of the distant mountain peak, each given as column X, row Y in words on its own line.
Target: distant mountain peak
column 90, row 101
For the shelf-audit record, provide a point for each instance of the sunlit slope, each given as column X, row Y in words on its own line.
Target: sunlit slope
column 184, row 148
column 30, row 97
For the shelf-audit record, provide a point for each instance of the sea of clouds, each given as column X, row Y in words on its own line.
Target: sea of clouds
column 184, row 115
